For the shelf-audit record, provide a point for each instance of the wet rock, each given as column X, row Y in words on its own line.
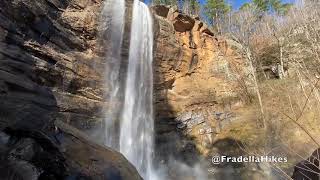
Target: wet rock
column 31, row 155
column 67, row 154
column 24, row 149
column 96, row 161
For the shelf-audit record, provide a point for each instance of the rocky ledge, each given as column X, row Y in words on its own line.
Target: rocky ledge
column 66, row 154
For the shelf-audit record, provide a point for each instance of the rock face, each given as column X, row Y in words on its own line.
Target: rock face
column 50, row 63
column 197, row 77
column 31, row 155
column 51, row 70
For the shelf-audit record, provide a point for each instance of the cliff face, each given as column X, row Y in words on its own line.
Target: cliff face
column 52, row 62
column 197, row 80
column 50, row 65
column 51, row 70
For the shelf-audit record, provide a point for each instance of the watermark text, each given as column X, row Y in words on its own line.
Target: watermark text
column 248, row 159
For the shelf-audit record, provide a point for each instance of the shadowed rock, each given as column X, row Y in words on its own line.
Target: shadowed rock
column 67, row 154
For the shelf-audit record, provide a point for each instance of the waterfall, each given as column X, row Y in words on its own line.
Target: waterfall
column 114, row 11
column 136, row 130
column 135, row 139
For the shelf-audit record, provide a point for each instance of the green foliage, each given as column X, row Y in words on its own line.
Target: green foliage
column 284, row 9
column 262, row 5
column 268, row 5
column 194, row 6
column 165, row 2
column 246, row 6
column 191, row 7
column 216, row 9
column 279, row 7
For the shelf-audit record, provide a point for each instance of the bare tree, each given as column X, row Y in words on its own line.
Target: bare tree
column 241, row 26
column 293, row 42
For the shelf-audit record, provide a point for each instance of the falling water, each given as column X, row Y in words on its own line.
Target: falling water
column 114, row 11
column 136, row 118
column 136, row 133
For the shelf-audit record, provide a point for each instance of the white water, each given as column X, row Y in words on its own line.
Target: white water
column 135, row 139
column 114, row 10
column 137, row 128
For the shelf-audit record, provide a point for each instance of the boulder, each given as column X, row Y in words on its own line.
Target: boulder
column 183, row 23
column 161, row 10
column 65, row 154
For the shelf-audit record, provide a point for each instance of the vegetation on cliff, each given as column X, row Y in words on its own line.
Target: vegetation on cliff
column 280, row 44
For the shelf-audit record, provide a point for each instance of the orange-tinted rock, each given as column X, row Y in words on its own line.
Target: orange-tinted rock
column 194, row 74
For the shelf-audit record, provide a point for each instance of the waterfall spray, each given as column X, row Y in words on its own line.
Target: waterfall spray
column 137, row 131
column 114, row 11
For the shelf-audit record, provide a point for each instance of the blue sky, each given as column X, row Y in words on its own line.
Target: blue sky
column 235, row 3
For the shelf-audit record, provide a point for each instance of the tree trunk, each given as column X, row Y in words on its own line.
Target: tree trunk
column 281, row 73
column 249, row 57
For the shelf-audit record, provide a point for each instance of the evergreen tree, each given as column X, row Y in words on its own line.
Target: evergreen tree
column 279, row 7
column 195, row 7
column 246, row 6
column 284, row 8
column 216, row 9
column 262, row 5
column 191, row 7
column 269, row 5
column 164, row 2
